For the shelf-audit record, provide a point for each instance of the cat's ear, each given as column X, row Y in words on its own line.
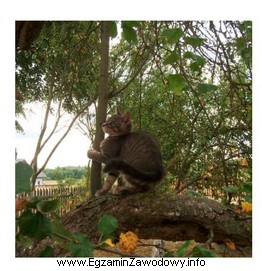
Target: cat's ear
column 126, row 117
column 118, row 110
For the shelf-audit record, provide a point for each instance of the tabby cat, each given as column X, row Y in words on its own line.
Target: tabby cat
column 135, row 156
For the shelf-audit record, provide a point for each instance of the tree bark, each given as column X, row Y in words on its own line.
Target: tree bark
column 102, row 105
column 165, row 217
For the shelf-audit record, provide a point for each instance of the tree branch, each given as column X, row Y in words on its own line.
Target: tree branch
column 165, row 217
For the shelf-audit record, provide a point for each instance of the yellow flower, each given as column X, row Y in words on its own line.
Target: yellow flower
column 246, row 207
column 109, row 242
column 128, row 241
column 243, row 162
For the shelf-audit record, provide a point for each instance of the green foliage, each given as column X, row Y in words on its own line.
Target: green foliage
column 60, row 233
column 181, row 251
column 176, row 83
column 205, row 111
column 194, row 41
column 47, row 251
column 107, row 224
column 34, row 225
column 189, row 248
column 204, row 88
column 129, row 33
column 170, row 59
column 190, row 79
column 199, row 251
column 23, row 173
column 38, row 220
column 244, row 191
column 63, row 173
column 173, row 35
column 197, row 63
column 113, row 29
column 58, row 65
column 48, row 206
column 81, row 246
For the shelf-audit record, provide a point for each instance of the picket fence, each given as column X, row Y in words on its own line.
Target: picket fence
column 69, row 197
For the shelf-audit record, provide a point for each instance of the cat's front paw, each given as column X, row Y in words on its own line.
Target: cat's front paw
column 101, row 192
column 91, row 153
column 120, row 190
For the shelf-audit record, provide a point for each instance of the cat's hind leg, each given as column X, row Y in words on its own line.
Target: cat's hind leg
column 108, row 183
column 127, row 190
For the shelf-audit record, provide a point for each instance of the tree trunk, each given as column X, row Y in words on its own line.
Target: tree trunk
column 158, row 216
column 102, row 104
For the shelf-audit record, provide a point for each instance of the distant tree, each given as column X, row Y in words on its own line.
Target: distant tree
column 59, row 68
column 62, row 173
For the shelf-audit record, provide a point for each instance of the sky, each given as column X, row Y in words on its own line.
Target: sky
column 71, row 152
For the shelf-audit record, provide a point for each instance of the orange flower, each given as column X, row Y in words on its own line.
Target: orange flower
column 128, row 241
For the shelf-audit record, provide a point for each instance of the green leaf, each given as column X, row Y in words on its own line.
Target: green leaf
column 113, row 29
column 176, row 83
column 181, row 252
column 240, row 44
column 33, row 203
column 23, row 173
column 173, row 34
column 198, row 59
column 47, row 251
column 132, row 23
column 204, row 88
column 59, row 232
column 202, row 252
column 247, row 187
column 48, row 206
column 107, row 224
column 194, row 41
column 170, row 59
column 246, row 54
column 244, row 49
column 195, row 67
column 198, row 63
column 81, row 246
column 129, row 33
column 34, row 225
column 246, row 26
column 25, row 241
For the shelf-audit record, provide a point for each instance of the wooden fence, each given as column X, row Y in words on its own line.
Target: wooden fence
column 69, row 196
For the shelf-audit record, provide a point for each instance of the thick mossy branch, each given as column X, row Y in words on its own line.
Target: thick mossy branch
column 166, row 217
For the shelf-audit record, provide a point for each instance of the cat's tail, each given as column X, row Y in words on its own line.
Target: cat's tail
column 123, row 167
